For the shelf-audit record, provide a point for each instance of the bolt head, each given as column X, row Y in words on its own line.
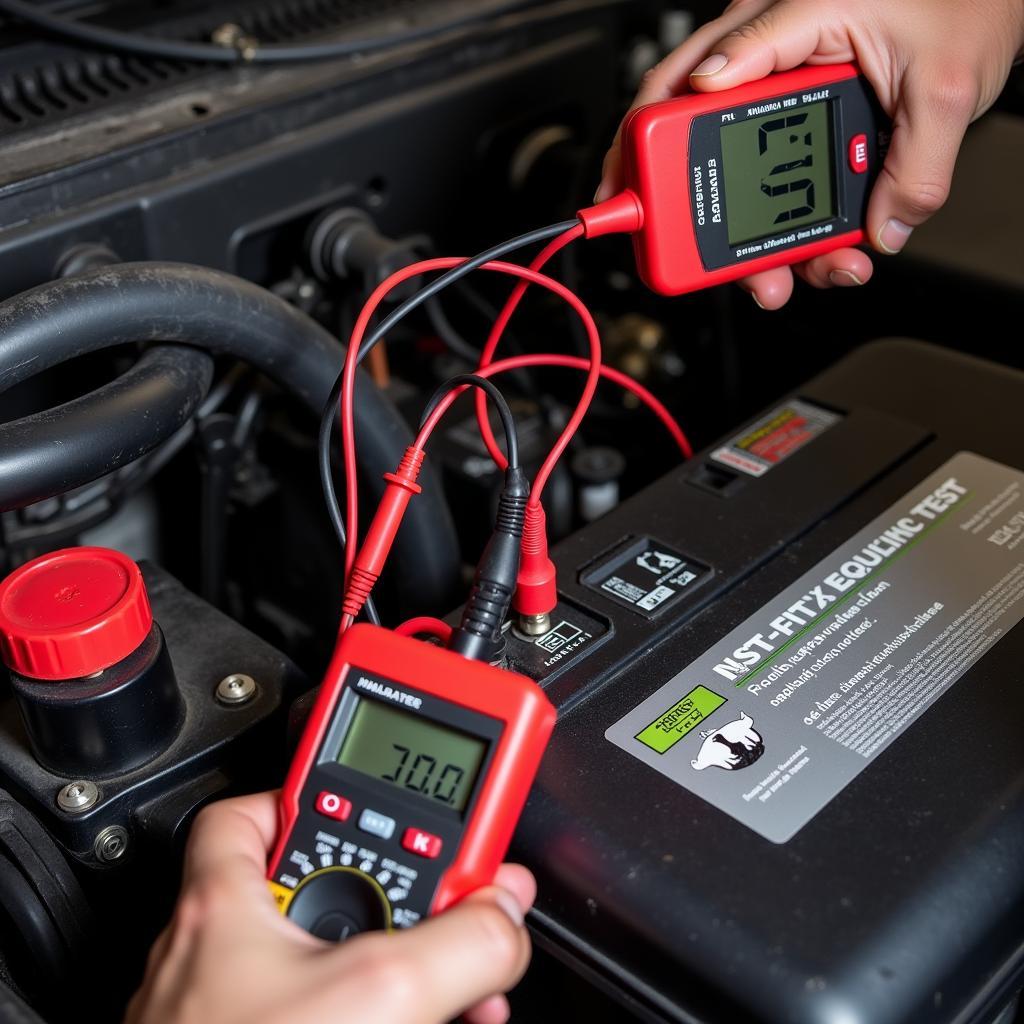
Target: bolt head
column 236, row 688
column 77, row 796
column 111, row 843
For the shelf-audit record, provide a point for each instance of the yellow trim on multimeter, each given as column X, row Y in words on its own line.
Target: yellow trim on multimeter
column 283, row 896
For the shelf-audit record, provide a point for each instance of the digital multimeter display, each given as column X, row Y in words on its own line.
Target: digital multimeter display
column 778, row 171
column 433, row 761
column 738, row 181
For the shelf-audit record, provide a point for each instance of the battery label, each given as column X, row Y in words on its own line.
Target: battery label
column 675, row 722
column 822, row 679
column 775, row 437
column 645, row 575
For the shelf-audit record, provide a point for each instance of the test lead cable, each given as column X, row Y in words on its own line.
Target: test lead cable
column 330, row 413
column 479, row 633
column 402, row 486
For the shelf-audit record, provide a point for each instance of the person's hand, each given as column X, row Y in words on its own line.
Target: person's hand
column 228, row 955
column 935, row 65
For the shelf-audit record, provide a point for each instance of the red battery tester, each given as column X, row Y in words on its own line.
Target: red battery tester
column 406, row 786
column 766, row 174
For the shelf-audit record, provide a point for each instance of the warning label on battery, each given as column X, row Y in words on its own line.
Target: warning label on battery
column 645, row 575
column 822, row 679
column 775, row 437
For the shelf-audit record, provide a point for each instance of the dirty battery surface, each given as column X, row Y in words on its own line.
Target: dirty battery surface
column 787, row 782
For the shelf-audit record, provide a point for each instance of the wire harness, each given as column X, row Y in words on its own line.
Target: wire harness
column 515, row 566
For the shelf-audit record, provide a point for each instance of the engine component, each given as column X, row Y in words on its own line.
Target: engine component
column 225, row 315
column 51, row 452
column 345, row 244
column 46, row 923
column 89, row 667
column 84, row 610
column 599, row 470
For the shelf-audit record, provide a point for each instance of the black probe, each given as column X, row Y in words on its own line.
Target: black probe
column 479, row 633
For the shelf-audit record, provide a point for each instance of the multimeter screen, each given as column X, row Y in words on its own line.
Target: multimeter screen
column 778, row 171
column 436, row 762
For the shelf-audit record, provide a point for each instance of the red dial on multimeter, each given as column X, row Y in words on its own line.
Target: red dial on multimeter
column 406, row 786
column 766, row 174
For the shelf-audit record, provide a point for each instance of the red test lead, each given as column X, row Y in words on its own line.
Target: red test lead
column 374, row 550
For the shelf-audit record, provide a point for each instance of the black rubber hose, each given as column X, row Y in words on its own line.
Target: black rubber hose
column 52, row 452
column 225, row 315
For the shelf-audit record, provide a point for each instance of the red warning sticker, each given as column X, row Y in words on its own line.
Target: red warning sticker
column 775, row 437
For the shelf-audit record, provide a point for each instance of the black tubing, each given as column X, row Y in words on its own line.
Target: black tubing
column 245, row 50
column 178, row 302
column 52, row 452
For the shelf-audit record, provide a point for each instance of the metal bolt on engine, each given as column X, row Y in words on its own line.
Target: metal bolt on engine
column 111, row 843
column 534, row 625
column 77, row 796
column 236, row 688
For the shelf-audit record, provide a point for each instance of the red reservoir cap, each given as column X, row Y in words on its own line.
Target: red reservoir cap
column 72, row 613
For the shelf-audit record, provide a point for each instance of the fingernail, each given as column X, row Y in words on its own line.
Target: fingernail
column 598, row 194
column 844, row 278
column 710, row 65
column 757, row 301
column 893, row 236
column 510, row 905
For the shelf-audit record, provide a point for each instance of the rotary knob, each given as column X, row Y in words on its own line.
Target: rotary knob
column 336, row 903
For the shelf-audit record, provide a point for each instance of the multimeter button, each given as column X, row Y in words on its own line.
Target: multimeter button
column 336, row 904
column 377, row 824
column 858, row 154
column 416, row 840
column 333, row 806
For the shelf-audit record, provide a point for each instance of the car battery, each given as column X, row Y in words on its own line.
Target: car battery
column 787, row 781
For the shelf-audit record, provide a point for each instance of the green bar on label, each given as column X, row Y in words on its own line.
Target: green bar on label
column 672, row 725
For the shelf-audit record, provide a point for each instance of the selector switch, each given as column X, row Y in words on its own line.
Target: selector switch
column 336, row 903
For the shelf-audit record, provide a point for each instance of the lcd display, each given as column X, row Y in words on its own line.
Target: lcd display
column 412, row 753
column 778, row 172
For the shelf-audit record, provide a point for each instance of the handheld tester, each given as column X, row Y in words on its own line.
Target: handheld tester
column 406, row 786
column 769, row 173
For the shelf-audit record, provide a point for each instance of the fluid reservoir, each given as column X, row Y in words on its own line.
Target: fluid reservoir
column 88, row 664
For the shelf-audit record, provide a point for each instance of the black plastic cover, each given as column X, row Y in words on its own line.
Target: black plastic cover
column 903, row 899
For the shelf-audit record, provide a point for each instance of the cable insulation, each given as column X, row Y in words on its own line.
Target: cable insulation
column 511, row 304
column 356, row 346
column 551, row 359
column 247, row 50
column 329, row 413
column 464, row 380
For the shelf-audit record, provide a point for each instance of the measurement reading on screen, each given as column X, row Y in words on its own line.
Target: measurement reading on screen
column 784, row 144
column 422, row 775
column 778, row 172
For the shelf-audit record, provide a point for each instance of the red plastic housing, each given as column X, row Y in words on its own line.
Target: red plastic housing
column 513, row 699
column 655, row 147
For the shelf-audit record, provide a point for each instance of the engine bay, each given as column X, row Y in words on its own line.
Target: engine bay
column 187, row 250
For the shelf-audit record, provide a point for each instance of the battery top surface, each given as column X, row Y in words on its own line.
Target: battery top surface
column 825, row 824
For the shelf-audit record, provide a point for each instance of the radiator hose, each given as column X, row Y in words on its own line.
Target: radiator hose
column 187, row 308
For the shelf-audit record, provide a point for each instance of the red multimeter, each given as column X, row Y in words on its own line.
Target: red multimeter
column 769, row 173
column 406, row 786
